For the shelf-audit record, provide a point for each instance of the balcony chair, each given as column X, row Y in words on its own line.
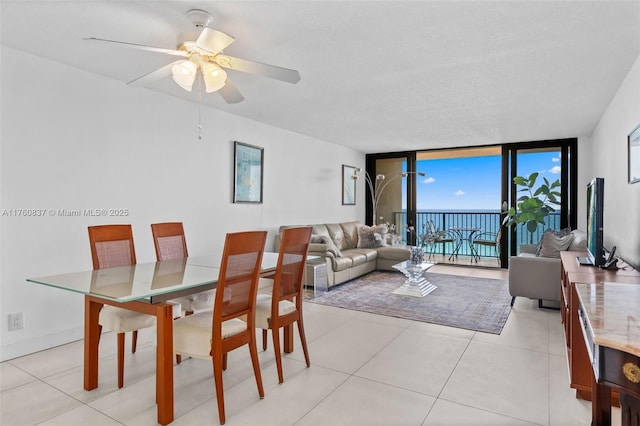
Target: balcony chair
column 433, row 236
column 489, row 239
column 112, row 246
column 201, row 337
column 284, row 306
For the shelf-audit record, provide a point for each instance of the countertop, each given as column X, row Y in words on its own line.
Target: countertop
column 613, row 311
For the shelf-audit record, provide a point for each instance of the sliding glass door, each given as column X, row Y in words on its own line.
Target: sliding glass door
column 393, row 202
column 460, row 192
column 550, row 160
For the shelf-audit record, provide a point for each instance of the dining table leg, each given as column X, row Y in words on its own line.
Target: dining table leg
column 91, row 339
column 164, row 350
column 164, row 363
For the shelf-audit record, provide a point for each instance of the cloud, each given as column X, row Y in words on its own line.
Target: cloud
column 555, row 170
column 458, row 193
column 428, row 180
column 555, row 159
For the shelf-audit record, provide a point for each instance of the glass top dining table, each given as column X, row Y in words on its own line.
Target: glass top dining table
column 152, row 282
column 144, row 288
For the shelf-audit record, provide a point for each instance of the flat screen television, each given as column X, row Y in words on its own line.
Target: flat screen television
column 595, row 222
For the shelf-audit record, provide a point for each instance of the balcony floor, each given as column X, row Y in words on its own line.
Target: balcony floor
column 484, row 262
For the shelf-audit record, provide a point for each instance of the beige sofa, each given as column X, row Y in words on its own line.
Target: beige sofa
column 537, row 276
column 350, row 250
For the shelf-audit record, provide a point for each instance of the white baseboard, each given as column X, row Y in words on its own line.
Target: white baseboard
column 40, row 343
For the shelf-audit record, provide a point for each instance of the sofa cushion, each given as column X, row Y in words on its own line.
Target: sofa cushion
column 320, row 229
column 350, row 231
column 342, row 263
column 336, row 234
column 553, row 242
column 357, row 257
column 325, row 239
column 370, row 254
column 372, row 236
column 394, row 253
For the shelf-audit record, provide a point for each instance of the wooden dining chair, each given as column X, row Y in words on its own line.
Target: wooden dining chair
column 284, row 306
column 201, row 336
column 112, row 246
column 170, row 243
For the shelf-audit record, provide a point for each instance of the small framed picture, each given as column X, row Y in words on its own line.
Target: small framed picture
column 247, row 179
column 348, row 185
column 633, row 139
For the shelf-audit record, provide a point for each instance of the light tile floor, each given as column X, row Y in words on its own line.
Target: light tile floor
column 366, row 370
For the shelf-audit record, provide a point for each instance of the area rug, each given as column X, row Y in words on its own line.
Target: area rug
column 479, row 304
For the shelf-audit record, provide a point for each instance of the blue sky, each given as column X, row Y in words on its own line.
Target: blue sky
column 474, row 182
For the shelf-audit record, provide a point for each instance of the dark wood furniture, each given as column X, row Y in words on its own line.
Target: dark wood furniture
column 112, row 245
column 284, row 306
column 212, row 334
column 135, row 289
column 607, row 320
column 580, row 371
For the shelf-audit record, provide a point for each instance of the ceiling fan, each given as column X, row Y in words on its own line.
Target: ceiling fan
column 202, row 57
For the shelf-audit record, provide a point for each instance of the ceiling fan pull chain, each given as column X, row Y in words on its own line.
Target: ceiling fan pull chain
column 199, row 109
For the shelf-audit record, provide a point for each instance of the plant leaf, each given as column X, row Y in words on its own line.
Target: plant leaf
column 532, row 226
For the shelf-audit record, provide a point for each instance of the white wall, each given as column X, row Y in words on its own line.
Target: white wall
column 609, row 160
column 74, row 140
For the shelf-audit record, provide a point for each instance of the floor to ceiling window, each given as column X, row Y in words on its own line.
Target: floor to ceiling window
column 459, row 193
column 551, row 160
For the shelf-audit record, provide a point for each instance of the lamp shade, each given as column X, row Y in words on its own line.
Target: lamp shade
column 214, row 77
column 184, row 73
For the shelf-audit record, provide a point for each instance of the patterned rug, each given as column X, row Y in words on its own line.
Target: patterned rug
column 479, row 304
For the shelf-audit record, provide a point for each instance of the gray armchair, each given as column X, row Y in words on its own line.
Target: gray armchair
column 538, row 277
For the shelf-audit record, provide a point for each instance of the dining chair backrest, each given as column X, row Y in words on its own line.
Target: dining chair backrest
column 287, row 282
column 238, row 278
column 111, row 246
column 169, row 240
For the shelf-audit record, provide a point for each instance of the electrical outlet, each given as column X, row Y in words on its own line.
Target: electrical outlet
column 16, row 321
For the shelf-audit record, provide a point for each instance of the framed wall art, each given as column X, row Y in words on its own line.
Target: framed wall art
column 247, row 177
column 348, row 185
column 633, row 140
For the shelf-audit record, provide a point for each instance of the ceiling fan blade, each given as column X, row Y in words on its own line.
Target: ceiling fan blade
column 213, row 41
column 154, row 75
column 264, row 70
column 141, row 47
column 230, row 93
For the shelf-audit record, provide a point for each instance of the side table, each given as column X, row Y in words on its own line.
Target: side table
column 316, row 276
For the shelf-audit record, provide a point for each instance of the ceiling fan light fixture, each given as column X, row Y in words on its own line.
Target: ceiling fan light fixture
column 214, row 77
column 184, row 73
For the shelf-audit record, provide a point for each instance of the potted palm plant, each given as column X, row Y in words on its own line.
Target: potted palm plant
column 534, row 206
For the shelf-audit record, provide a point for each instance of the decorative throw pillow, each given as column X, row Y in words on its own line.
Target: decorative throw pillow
column 372, row 236
column 323, row 239
column 553, row 242
column 579, row 242
column 560, row 233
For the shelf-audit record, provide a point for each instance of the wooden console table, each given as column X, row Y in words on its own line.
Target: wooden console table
column 580, row 371
column 608, row 313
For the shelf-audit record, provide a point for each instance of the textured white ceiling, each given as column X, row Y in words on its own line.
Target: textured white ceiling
column 377, row 76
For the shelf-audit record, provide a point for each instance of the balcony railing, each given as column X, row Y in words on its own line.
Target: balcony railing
column 485, row 221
